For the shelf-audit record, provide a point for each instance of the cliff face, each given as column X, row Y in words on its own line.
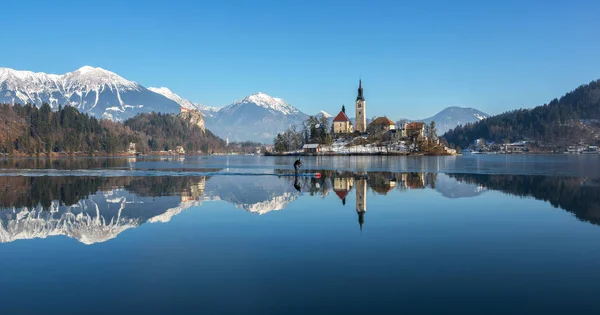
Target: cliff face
column 194, row 117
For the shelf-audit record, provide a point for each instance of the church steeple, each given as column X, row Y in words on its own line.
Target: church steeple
column 361, row 219
column 360, row 96
column 361, row 110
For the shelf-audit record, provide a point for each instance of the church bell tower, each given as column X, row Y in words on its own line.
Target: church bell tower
column 361, row 200
column 361, row 110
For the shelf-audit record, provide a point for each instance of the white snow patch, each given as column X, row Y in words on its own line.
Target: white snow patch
column 266, row 101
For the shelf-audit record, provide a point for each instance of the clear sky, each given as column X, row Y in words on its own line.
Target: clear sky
column 415, row 58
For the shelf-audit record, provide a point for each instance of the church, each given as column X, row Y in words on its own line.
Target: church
column 341, row 122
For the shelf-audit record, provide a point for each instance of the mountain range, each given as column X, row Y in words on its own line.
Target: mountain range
column 574, row 119
column 91, row 90
column 258, row 117
column 453, row 116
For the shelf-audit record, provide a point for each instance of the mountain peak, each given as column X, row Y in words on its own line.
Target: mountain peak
column 86, row 69
column 324, row 114
column 267, row 101
column 452, row 116
column 162, row 89
column 94, row 90
column 95, row 77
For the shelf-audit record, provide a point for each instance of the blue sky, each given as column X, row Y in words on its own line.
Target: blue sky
column 415, row 58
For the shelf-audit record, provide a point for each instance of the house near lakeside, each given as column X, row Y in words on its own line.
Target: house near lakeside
column 342, row 124
column 132, row 149
column 311, row 148
column 381, row 124
column 414, row 130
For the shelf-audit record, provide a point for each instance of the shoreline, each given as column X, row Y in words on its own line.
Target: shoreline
column 359, row 154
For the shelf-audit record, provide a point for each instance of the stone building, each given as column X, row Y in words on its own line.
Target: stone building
column 341, row 123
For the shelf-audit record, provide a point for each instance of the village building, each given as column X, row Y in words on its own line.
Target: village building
column 132, row 149
column 381, row 124
column 179, row 149
column 311, row 148
column 341, row 123
column 414, row 130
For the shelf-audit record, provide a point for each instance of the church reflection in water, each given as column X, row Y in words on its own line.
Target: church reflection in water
column 96, row 209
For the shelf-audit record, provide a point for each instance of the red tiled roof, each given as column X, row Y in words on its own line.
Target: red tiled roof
column 341, row 117
column 383, row 121
column 414, row 125
column 341, row 193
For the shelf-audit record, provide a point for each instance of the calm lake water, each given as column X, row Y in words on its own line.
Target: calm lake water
column 241, row 235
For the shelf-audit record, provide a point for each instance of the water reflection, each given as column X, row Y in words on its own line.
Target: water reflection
column 97, row 209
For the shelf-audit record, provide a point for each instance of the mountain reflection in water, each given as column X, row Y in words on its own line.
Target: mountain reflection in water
column 97, row 209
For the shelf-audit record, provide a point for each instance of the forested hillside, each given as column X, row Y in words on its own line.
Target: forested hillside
column 28, row 130
column 166, row 131
column 572, row 118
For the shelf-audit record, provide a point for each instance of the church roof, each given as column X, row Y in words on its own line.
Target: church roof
column 341, row 193
column 341, row 117
column 383, row 121
column 360, row 96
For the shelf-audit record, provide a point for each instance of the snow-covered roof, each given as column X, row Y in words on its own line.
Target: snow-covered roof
column 311, row 146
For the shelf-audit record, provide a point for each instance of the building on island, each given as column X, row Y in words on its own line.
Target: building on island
column 311, row 148
column 381, row 124
column 361, row 110
column 414, row 130
column 179, row 149
column 341, row 123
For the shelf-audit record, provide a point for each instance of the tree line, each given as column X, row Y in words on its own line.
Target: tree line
column 312, row 130
column 563, row 121
column 29, row 130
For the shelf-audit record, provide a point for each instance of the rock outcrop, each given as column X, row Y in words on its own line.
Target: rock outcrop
column 194, row 117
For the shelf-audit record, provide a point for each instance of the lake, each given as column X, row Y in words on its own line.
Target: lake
column 480, row 234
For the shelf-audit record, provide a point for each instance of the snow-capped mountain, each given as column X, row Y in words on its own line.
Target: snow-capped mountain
column 245, row 192
column 96, row 91
column 102, row 215
column 450, row 117
column 257, row 117
column 206, row 111
column 324, row 114
column 97, row 219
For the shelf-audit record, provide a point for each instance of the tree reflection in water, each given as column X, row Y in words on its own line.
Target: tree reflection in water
column 96, row 209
